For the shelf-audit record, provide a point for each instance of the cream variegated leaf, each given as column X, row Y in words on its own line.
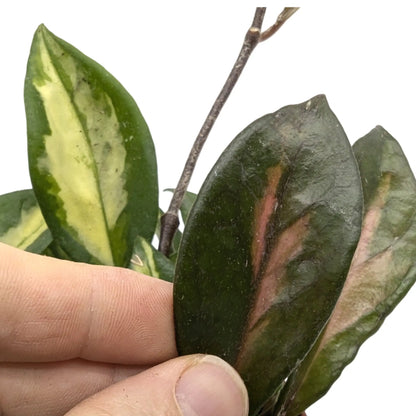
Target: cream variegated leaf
column 21, row 222
column 92, row 160
column 147, row 260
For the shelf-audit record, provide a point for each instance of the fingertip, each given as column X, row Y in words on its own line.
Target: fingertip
column 195, row 385
column 211, row 387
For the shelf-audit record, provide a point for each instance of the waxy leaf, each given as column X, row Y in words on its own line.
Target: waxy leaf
column 147, row 260
column 21, row 222
column 268, row 244
column 382, row 271
column 92, row 160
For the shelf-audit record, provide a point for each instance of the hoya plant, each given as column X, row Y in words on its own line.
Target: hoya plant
column 293, row 252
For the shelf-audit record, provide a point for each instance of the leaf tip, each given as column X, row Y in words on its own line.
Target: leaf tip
column 41, row 30
column 316, row 103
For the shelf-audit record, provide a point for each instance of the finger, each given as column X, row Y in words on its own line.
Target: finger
column 55, row 310
column 51, row 389
column 193, row 385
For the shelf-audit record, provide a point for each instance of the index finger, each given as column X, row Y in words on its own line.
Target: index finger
column 52, row 310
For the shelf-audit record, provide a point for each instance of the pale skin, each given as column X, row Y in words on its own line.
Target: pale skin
column 77, row 339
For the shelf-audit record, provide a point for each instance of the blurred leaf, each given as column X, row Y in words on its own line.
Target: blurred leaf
column 382, row 271
column 268, row 245
column 21, row 222
column 185, row 208
column 91, row 157
column 147, row 260
column 187, row 203
column 54, row 250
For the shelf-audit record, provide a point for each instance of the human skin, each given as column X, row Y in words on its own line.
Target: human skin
column 78, row 339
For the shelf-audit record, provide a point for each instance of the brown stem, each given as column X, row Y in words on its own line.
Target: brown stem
column 281, row 19
column 170, row 221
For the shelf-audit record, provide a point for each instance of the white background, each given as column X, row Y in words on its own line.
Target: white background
column 173, row 58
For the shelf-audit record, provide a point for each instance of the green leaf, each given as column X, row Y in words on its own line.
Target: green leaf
column 54, row 250
column 268, row 244
column 147, row 260
column 21, row 222
column 187, row 204
column 91, row 156
column 382, row 271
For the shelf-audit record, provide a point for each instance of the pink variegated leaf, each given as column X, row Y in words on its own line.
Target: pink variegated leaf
column 268, row 245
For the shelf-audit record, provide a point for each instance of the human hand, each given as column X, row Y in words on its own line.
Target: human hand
column 78, row 339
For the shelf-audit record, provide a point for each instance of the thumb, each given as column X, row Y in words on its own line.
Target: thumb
column 194, row 385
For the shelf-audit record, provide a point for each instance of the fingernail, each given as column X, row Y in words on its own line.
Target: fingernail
column 210, row 388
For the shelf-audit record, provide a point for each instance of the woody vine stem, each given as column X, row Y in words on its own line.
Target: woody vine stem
column 170, row 220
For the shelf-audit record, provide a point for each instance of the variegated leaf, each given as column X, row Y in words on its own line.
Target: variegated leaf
column 91, row 157
column 382, row 271
column 21, row 222
column 268, row 244
column 147, row 260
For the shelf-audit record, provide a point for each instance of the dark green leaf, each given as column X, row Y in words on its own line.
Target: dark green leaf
column 147, row 260
column 91, row 157
column 21, row 222
column 268, row 245
column 382, row 271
